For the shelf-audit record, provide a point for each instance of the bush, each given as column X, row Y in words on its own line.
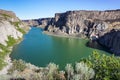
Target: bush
column 106, row 67
column 11, row 41
column 53, row 71
column 18, row 65
column 84, row 72
column 80, row 72
column 69, row 71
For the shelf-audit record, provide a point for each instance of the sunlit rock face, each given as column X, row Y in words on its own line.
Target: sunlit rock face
column 6, row 29
column 87, row 22
column 97, row 25
column 10, row 26
column 92, row 24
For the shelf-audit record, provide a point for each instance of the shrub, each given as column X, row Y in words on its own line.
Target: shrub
column 80, row 72
column 11, row 41
column 106, row 67
column 53, row 71
column 69, row 71
column 85, row 73
column 18, row 65
column 2, row 63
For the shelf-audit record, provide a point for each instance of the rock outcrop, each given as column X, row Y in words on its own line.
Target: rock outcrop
column 11, row 30
column 84, row 22
column 111, row 40
column 10, row 25
column 97, row 25
column 92, row 24
column 42, row 22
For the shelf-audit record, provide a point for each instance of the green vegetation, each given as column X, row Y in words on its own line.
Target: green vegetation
column 11, row 41
column 3, row 53
column 5, row 16
column 95, row 67
column 2, row 63
column 5, row 50
column 53, row 71
column 16, row 24
column 18, row 65
column 105, row 67
column 81, row 71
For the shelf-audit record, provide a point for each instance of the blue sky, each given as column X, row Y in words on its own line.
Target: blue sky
column 31, row 9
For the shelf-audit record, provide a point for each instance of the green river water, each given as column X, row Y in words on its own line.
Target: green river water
column 41, row 49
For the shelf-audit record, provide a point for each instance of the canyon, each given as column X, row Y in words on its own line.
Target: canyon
column 101, row 26
column 12, row 30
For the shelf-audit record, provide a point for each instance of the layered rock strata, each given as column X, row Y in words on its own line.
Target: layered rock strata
column 96, row 25
column 10, row 25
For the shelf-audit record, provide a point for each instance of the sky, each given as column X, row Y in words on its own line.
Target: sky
column 34, row 9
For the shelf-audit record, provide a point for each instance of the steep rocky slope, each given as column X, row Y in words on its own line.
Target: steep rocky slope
column 42, row 22
column 11, row 30
column 10, row 25
column 93, row 24
column 96, row 25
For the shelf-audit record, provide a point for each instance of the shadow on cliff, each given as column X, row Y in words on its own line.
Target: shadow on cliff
column 96, row 45
column 109, row 42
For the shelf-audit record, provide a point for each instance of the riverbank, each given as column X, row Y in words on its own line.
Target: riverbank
column 64, row 35
column 8, row 61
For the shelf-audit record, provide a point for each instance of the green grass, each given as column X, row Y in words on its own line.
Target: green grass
column 11, row 41
column 2, row 55
column 5, row 50
column 2, row 63
column 16, row 24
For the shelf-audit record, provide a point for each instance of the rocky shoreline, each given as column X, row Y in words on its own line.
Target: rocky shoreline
column 94, row 25
column 7, row 67
column 63, row 35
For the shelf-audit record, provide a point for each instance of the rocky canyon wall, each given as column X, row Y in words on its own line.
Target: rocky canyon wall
column 96, row 25
column 10, row 25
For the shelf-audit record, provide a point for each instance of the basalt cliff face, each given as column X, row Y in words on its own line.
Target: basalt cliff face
column 103, row 26
column 10, row 25
column 42, row 22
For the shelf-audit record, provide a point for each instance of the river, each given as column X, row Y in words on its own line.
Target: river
column 41, row 49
